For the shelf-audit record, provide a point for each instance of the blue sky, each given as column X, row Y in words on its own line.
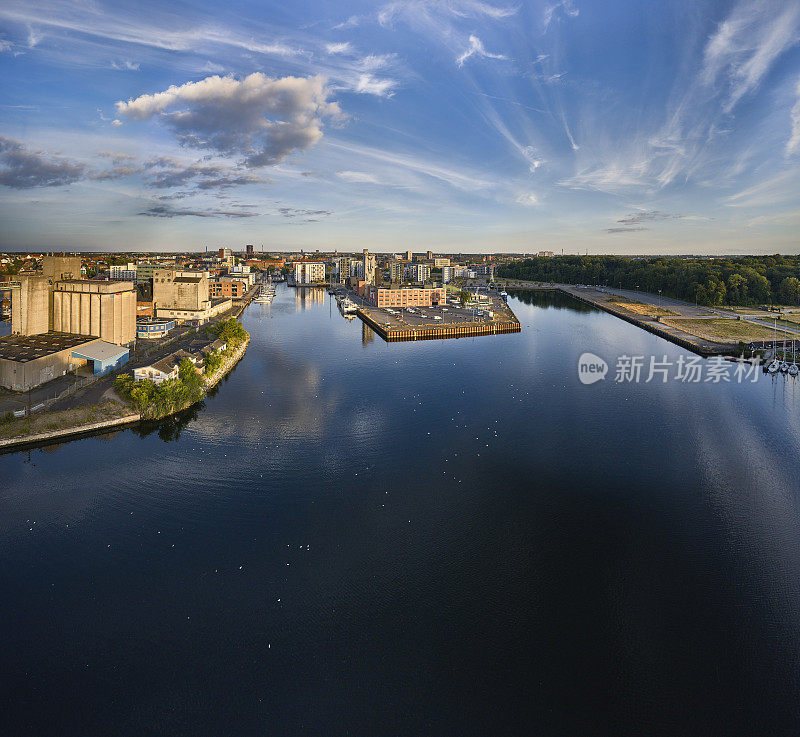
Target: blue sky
column 462, row 125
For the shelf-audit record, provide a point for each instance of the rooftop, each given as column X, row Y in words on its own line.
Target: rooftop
column 23, row 348
column 100, row 351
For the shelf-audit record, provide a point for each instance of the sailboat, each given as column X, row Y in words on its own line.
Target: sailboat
column 774, row 365
column 784, row 365
column 793, row 370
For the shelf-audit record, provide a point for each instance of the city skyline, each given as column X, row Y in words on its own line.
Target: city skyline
column 455, row 126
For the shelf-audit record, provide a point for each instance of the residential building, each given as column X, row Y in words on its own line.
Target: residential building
column 440, row 262
column 369, row 267
column 126, row 272
column 397, row 271
column 226, row 287
column 309, row 272
column 409, row 256
column 447, row 274
column 160, row 371
column 417, row 272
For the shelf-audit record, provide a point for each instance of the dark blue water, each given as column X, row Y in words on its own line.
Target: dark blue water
column 434, row 538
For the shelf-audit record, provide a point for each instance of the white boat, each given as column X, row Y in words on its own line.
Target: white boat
column 793, row 370
column 773, row 367
column 784, row 367
column 347, row 305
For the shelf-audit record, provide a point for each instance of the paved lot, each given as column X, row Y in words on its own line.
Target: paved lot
column 426, row 316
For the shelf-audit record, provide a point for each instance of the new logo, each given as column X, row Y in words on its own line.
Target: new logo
column 591, row 368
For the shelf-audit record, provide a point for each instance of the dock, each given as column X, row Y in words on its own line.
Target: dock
column 428, row 331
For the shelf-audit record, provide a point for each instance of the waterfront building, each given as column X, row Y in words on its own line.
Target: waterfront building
column 309, row 272
column 226, row 287
column 397, row 296
column 160, row 371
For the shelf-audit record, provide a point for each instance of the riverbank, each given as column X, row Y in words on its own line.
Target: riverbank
column 91, row 419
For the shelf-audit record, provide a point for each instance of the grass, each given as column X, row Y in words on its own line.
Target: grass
column 640, row 308
column 46, row 421
column 725, row 330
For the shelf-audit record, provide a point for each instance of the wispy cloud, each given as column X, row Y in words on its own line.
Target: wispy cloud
column 528, row 199
column 358, row 177
column 747, row 43
column 626, row 230
column 793, row 144
column 476, row 48
column 167, row 211
column 343, row 47
column 564, row 8
column 125, row 66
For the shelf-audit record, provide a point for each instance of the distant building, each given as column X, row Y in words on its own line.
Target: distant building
column 369, row 267
column 417, row 272
column 125, row 272
column 397, row 271
column 249, row 250
column 409, row 256
column 545, row 254
column 145, row 271
column 429, row 255
column 447, row 274
column 440, row 262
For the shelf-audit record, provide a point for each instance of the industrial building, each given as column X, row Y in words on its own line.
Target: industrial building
column 185, row 296
column 105, row 309
column 26, row 361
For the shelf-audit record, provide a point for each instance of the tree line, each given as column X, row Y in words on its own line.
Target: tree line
column 745, row 280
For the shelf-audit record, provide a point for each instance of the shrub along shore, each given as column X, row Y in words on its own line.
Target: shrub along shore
column 154, row 401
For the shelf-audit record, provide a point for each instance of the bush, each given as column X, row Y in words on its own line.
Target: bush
column 212, row 362
column 7, row 418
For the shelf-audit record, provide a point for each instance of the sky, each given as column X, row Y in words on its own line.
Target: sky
column 588, row 126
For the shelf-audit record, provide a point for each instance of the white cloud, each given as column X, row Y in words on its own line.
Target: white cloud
column 5, row 45
column 116, row 122
column 476, row 47
column 358, row 176
column 793, row 144
column 261, row 118
column 339, row 48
